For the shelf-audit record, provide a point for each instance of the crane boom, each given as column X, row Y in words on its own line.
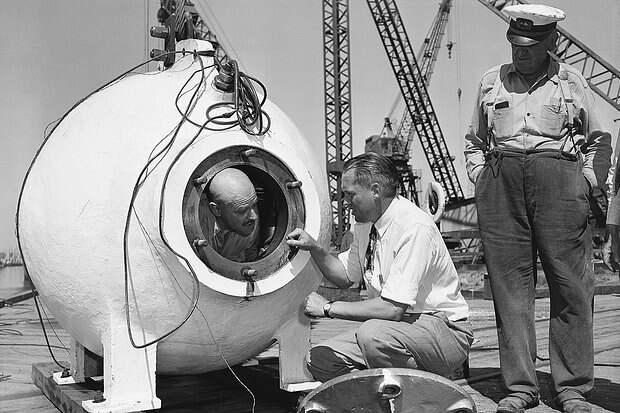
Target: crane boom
column 417, row 100
column 427, row 57
column 602, row 77
column 337, row 87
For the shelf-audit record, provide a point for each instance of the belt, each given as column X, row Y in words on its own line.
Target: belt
column 494, row 157
column 545, row 153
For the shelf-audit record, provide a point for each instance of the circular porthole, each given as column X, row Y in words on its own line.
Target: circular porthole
column 280, row 208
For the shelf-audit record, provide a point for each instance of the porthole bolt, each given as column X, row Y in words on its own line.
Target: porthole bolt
column 248, row 152
column 293, row 184
column 248, row 274
column 200, row 243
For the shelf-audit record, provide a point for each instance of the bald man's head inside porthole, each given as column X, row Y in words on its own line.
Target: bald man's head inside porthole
column 233, row 204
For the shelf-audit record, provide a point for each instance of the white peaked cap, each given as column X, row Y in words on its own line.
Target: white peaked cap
column 539, row 14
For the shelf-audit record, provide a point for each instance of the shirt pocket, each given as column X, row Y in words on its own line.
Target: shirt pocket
column 552, row 119
column 503, row 122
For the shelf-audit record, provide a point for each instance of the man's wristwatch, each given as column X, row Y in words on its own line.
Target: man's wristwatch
column 326, row 307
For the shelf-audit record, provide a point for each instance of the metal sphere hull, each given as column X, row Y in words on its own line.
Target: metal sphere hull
column 73, row 211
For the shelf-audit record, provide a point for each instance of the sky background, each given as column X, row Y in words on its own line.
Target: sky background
column 54, row 53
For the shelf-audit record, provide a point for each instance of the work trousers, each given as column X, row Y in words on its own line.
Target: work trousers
column 531, row 204
column 428, row 342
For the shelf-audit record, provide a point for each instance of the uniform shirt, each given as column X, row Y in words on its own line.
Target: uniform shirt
column 527, row 118
column 411, row 264
column 231, row 245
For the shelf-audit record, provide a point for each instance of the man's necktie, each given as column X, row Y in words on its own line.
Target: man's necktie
column 370, row 250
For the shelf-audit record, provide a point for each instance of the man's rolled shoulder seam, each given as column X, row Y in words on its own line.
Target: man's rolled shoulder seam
column 491, row 74
column 488, row 78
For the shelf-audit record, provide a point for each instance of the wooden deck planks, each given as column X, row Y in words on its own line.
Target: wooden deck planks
column 221, row 392
column 216, row 392
column 21, row 345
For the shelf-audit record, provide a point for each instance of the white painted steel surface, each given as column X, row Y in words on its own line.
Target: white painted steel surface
column 72, row 216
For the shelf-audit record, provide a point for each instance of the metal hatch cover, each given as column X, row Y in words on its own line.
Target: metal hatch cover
column 388, row 390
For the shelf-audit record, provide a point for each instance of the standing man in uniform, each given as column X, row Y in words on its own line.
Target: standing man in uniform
column 415, row 315
column 536, row 150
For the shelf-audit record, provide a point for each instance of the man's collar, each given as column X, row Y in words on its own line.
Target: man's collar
column 552, row 69
column 386, row 218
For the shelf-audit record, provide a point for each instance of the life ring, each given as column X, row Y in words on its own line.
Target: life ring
column 435, row 198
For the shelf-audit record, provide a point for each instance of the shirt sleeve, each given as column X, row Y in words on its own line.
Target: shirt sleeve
column 475, row 139
column 613, row 178
column 613, row 211
column 351, row 258
column 413, row 256
column 613, row 181
column 597, row 145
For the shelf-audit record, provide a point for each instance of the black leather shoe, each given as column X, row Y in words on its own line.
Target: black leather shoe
column 576, row 406
column 514, row 404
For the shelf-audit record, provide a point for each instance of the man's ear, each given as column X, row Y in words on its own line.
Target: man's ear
column 375, row 188
column 552, row 41
column 215, row 209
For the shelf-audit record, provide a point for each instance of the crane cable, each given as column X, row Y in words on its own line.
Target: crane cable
column 462, row 125
column 459, row 68
column 210, row 17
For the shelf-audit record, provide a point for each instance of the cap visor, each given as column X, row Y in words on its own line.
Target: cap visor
column 521, row 40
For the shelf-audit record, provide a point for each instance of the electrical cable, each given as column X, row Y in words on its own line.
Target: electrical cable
column 253, row 99
column 36, row 302
column 255, row 117
column 148, row 238
column 52, row 326
column 34, row 345
column 252, row 110
column 10, row 332
column 162, row 153
column 249, row 115
column 595, row 364
column 220, row 353
column 134, row 195
column 245, row 104
column 606, row 365
column 38, row 152
column 154, row 250
column 17, row 314
column 161, row 158
column 16, row 305
column 161, row 215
